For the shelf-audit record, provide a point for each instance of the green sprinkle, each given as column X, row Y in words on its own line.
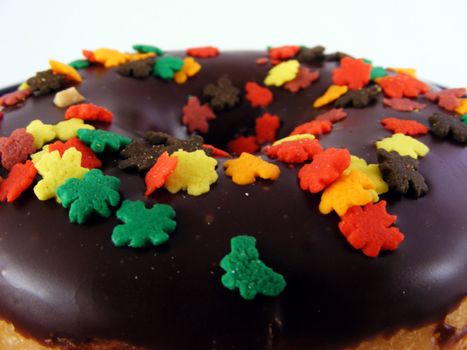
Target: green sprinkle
column 96, row 192
column 100, row 140
column 143, row 226
column 148, row 49
column 367, row 61
column 464, row 118
column 80, row 64
column 245, row 271
column 377, row 72
column 166, row 67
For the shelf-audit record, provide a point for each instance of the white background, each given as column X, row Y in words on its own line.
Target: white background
column 428, row 35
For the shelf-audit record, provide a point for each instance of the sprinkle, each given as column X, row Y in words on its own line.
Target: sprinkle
column 377, row 72
column 447, row 98
column 55, row 170
column 311, row 54
column 283, row 52
column 165, row 67
column 266, row 127
column 95, row 193
column 79, row 64
column 139, row 156
column 407, row 71
column 109, row 57
column 216, row 152
column 401, row 85
column 359, row 98
column 89, row 111
column 347, row 191
column 44, row 83
column 462, row 108
column 13, row 98
column 245, row 169
column 325, row 168
column 142, row 226
column 148, row 49
column 137, row 69
column 203, row 52
column 67, row 129
column 19, row 179
column 89, row 55
column 42, row 133
column 334, row 115
column 68, row 97
column 245, row 271
column 88, row 158
column 401, row 173
column 305, row 77
column 372, row 171
column 403, row 104
column 158, row 174
column 195, row 172
column 294, row 138
column 65, row 69
column 404, row 145
column 262, row 60
column 404, row 126
column 332, row 93
column 16, row 148
column 190, row 69
column 196, row 116
column 314, row 127
column 242, row 144
column 282, row 73
column 354, row 73
column 464, row 118
column 222, row 94
column 297, row 151
column 448, row 127
column 257, row 95
column 370, row 229
column 100, row 140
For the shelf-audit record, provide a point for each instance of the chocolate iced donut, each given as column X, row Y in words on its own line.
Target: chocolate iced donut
column 65, row 285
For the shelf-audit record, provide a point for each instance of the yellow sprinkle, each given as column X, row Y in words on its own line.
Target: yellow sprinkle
column 130, row 57
column 195, row 172
column 65, row 69
column 190, row 68
column 294, row 138
column 23, row 86
column 245, row 169
column 462, row 108
column 404, row 145
column 68, row 97
column 41, row 132
column 110, row 58
column 35, row 157
column 282, row 73
column 67, row 129
column 408, row 71
column 332, row 93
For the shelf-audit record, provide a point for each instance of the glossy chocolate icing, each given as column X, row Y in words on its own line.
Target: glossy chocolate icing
column 66, row 280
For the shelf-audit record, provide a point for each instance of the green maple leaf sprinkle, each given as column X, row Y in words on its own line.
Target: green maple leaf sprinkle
column 142, row 226
column 245, row 271
column 377, row 72
column 95, row 193
column 165, row 67
column 79, row 64
column 148, row 49
column 101, row 140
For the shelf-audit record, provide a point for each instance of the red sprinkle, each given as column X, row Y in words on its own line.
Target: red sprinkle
column 14, row 97
column 19, row 179
column 401, row 85
column 16, row 148
column 89, row 111
column 403, row 104
column 283, row 52
column 262, row 61
column 370, row 229
column 334, row 115
column 88, row 157
column 315, row 127
column 354, row 73
column 297, row 151
column 160, row 171
column 203, row 52
column 243, row 144
column 305, row 77
column 266, row 128
column 217, row 152
column 89, row 55
column 325, row 168
column 257, row 95
column 404, row 126
column 448, row 98
column 196, row 116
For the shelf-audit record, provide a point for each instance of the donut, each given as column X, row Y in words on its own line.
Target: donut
column 282, row 199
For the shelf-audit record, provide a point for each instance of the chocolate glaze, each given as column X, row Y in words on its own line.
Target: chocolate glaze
column 66, row 280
